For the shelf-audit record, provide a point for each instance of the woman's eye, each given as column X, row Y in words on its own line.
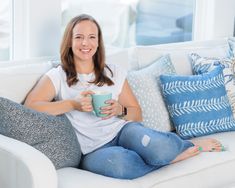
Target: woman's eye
column 78, row 37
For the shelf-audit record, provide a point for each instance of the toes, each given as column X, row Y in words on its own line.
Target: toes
column 195, row 149
column 209, row 145
column 217, row 148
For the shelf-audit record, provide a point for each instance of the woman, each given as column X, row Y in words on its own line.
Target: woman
column 111, row 146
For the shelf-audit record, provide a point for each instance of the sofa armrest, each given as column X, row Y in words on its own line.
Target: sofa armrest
column 22, row 166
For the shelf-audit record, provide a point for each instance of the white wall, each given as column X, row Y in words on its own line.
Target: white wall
column 36, row 28
column 214, row 19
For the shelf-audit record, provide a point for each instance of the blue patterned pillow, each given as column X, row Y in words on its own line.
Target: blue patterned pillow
column 198, row 104
column 145, row 85
column 231, row 43
column 202, row 65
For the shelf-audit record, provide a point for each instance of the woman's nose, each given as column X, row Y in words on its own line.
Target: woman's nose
column 84, row 41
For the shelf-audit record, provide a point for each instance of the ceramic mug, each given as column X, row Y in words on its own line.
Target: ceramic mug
column 98, row 100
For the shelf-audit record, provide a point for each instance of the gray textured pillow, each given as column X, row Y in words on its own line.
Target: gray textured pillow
column 145, row 84
column 52, row 135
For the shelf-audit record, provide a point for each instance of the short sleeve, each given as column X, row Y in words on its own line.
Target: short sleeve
column 55, row 76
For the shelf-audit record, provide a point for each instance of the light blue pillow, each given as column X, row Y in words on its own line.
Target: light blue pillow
column 231, row 43
column 145, row 85
column 198, row 104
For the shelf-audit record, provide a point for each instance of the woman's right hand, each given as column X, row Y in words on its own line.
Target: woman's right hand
column 83, row 102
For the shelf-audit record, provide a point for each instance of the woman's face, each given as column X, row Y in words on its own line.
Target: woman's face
column 84, row 40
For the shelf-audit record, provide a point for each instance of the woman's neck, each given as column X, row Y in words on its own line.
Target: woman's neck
column 84, row 67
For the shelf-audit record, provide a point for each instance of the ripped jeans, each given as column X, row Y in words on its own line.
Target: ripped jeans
column 134, row 152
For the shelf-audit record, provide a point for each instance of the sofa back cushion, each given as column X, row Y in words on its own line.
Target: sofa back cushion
column 118, row 56
column 144, row 55
column 18, row 78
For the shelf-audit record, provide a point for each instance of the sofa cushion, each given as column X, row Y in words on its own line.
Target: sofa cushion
column 145, row 85
column 198, row 105
column 72, row 177
column 202, row 65
column 117, row 56
column 206, row 170
column 201, row 170
column 18, row 79
column 54, row 136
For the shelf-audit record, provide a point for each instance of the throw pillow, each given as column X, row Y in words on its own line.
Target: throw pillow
column 202, row 65
column 231, row 43
column 145, row 86
column 198, row 104
column 52, row 135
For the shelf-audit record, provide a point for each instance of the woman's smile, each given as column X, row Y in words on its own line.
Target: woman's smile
column 85, row 50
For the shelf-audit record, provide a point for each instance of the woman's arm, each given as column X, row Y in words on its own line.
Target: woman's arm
column 41, row 96
column 127, row 99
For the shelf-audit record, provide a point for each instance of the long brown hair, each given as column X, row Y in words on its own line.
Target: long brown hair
column 67, row 60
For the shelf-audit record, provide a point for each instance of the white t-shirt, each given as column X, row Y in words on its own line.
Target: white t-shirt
column 92, row 132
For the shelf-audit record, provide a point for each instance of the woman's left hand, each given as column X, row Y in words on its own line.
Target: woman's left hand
column 113, row 109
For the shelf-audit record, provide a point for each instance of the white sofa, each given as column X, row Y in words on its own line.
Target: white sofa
column 22, row 166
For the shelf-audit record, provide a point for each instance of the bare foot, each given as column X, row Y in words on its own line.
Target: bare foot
column 190, row 152
column 208, row 144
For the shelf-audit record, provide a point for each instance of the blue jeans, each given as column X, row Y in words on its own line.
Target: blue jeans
column 135, row 151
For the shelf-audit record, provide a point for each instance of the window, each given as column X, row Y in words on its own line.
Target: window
column 36, row 28
column 5, row 29
column 27, row 33
column 164, row 21
column 129, row 22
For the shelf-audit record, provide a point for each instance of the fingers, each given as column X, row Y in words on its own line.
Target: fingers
column 85, row 105
column 84, row 101
column 85, row 93
column 113, row 109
